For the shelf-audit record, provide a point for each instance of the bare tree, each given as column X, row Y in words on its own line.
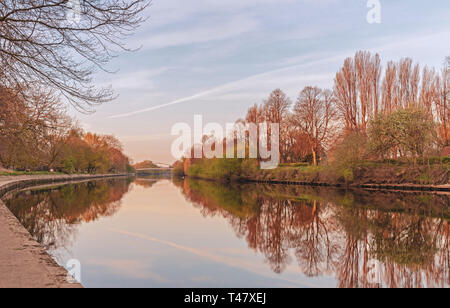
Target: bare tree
column 428, row 89
column 442, row 99
column 390, row 88
column 362, row 65
column 255, row 114
column 277, row 109
column 368, row 71
column 40, row 42
column 409, row 80
column 345, row 89
column 297, row 142
column 313, row 114
column 375, row 76
column 357, row 89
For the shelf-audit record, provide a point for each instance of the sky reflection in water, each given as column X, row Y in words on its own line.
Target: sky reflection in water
column 185, row 233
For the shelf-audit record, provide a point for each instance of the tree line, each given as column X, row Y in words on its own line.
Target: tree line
column 401, row 112
column 36, row 134
column 49, row 51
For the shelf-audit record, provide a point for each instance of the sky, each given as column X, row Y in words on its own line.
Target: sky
column 218, row 58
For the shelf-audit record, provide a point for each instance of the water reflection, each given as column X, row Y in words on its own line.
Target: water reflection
column 359, row 239
column 364, row 239
column 52, row 214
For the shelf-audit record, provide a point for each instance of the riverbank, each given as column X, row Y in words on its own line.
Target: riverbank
column 367, row 175
column 23, row 262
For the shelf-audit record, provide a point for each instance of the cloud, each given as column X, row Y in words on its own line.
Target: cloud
column 134, row 80
column 258, row 79
column 179, row 23
column 169, row 12
column 297, row 74
column 200, row 33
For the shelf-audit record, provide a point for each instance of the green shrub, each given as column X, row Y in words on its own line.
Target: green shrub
column 348, row 175
column 350, row 152
column 217, row 169
column 178, row 169
column 411, row 132
column 69, row 165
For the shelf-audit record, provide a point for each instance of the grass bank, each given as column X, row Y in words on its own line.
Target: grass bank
column 20, row 173
column 429, row 172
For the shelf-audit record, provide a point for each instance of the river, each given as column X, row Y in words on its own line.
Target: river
column 162, row 232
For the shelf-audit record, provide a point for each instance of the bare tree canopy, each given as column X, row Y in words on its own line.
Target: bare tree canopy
column 61, row 43
column 313, row 114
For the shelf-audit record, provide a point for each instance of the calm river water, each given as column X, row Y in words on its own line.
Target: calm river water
column 148, row 232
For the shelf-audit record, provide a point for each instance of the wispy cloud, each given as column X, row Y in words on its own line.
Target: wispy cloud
column 200, row 33
column 134, row 80
column 224, row 56
column 293, row 73
column 235, row 85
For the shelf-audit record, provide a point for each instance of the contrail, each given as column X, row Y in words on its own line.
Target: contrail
column 238, row 82
column 227, row 260
column 178, row 101
column 220, row 88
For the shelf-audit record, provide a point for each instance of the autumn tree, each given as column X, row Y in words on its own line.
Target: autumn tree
column 93, row 153
column 147, row 164
column 12, row 120
column 75, row 154
column 98, row 159
column 60, row 43
column 118, row 161
column 32, row 125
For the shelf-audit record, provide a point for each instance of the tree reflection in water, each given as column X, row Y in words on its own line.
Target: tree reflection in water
column 363, row 238
column 51, row 214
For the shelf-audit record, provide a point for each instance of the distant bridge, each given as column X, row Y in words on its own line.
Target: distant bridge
column 154, row 171
column 163, row 164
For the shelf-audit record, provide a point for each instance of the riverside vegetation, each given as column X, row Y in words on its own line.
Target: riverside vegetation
column 48, row 63
column 367, row 130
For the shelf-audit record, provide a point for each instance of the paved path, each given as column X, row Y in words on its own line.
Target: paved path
column 23, row 262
